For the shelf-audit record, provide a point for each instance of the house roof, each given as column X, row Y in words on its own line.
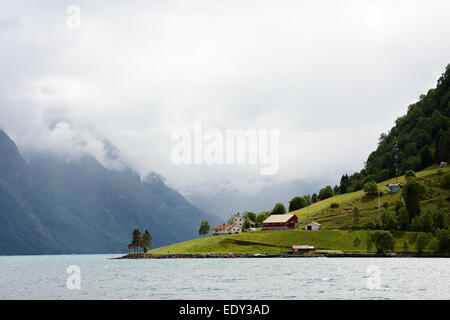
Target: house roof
column 317, row 224
column 224, row 226
column 277, row 218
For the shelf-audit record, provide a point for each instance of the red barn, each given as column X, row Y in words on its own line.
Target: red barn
column 280, row 222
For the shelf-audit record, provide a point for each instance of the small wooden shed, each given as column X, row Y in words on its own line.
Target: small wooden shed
column 313, row 226
column 302, row 248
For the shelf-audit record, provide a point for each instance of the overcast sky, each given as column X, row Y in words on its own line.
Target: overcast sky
column 330, row 75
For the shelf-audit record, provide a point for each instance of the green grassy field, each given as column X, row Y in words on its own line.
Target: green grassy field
column 256, row 241
column 335, row 233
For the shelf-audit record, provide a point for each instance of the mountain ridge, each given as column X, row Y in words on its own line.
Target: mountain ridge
column 48, row 205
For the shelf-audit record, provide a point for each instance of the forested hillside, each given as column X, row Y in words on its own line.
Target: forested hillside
column 422, row 137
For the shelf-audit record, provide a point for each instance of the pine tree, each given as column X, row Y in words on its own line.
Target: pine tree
column 137, row 240
column 345, row 184
column 411, row 193
column 147, row 240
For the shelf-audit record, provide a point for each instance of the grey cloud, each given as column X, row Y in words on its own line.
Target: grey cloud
column 332, row 76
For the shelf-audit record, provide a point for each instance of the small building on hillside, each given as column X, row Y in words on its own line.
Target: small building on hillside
column 393, row 187
column 226, row 229
column 443, row 164
column 313, row 226
column 280, row 222
column 302, row 248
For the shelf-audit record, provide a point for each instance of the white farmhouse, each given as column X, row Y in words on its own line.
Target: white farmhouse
column 226, row 229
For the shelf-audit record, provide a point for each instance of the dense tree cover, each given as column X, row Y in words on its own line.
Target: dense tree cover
column 408, row 215
column 297, row 203
column 438, row 243
column 422, row 137
column 279, row 209
column 314, row 198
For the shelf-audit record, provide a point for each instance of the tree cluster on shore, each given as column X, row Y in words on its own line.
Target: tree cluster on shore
column 140, row 241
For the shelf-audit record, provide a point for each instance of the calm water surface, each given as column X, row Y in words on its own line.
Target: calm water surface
column 45, row 277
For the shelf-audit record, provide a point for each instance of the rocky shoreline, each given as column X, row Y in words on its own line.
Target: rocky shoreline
column 289, row 255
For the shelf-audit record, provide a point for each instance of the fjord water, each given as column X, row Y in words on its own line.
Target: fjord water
column 45, row 277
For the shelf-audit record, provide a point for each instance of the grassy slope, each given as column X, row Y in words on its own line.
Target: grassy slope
column 342, row 217
column 327, row 239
